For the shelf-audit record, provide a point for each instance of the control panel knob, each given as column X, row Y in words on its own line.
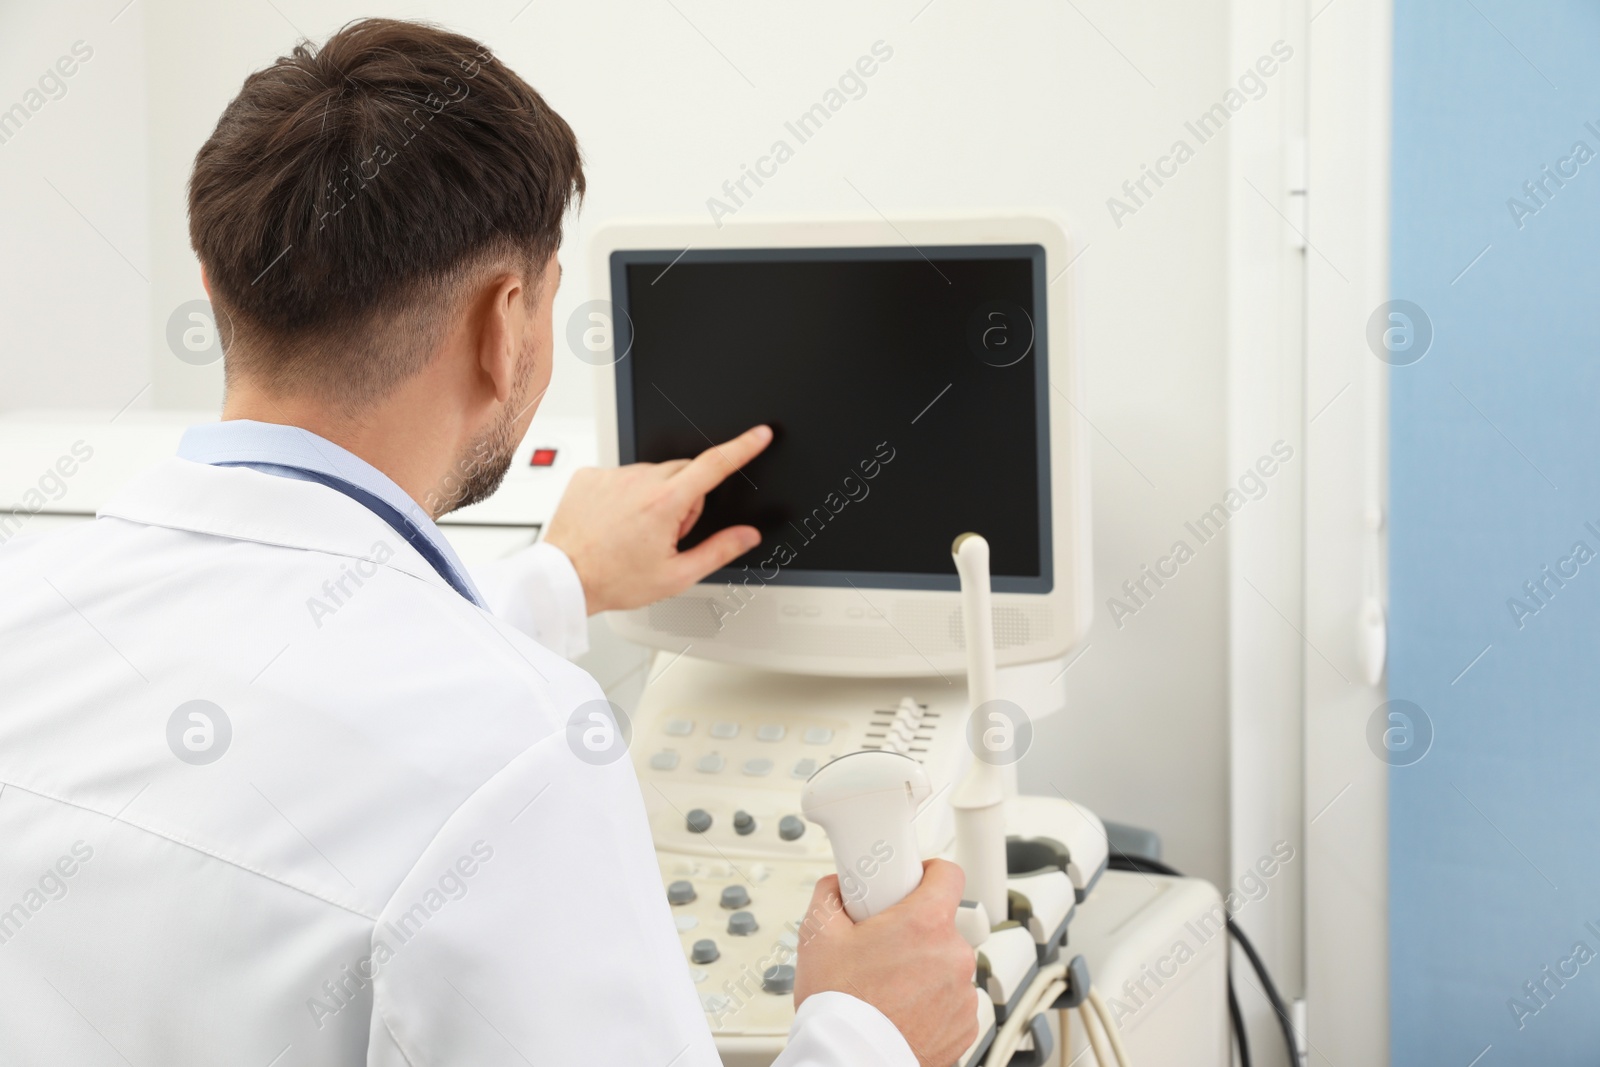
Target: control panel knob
column 680, row 892
column 742, row 923
column 743, row 823
column 704, row 951
column 735, row 896
column 698, row 821
column 778, row 979
column 790, row 827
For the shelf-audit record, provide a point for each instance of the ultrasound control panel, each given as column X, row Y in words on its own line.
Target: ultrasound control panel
column 722, row 753
column 725, row 782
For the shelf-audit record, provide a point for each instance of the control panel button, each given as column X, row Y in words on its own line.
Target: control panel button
column 664, row 760
column 735, row 896
column 743, row 823
column 698, row 821
column 543, row 457
column 685, row 923
column 778, row 979
column 724, row 731
column 772, row 731
column 804, row 768
column 757, row 768
column 741, row 924
column 791, row 827
column 705, row 951
column 680, row 892
column 698, row 974
column 818, row 735
column 710, row 763
column 680, row 727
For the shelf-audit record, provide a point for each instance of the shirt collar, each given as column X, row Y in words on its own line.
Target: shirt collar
column 294, row 452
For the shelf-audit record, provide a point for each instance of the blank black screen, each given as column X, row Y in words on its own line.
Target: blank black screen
column 906, row 391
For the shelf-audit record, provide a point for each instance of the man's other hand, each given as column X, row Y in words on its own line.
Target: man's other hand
column 907, row 961
column 621, row 526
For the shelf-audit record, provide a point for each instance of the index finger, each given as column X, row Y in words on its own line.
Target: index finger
column 713, row 466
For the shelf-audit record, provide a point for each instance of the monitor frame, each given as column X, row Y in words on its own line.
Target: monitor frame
column 870, row 624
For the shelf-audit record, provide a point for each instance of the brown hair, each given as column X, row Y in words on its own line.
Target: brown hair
column 349, row 191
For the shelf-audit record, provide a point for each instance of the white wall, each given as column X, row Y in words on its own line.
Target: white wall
column 75, row 256
column 1025, row 106
column 1267, row 404
column 1346, row 790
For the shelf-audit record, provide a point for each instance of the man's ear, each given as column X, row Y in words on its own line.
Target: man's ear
column 505, row 319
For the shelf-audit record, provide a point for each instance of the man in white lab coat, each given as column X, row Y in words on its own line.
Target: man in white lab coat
column 281, row 782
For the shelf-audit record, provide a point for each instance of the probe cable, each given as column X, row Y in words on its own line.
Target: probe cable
column 1047, row 988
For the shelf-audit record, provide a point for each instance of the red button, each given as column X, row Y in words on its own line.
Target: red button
column 543, row 457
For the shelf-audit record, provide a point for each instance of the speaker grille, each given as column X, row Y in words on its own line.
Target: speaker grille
column 939, row 629
column 685, row 616
column 1011, row 627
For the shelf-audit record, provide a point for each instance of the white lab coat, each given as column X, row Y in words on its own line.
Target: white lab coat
column 397, row 860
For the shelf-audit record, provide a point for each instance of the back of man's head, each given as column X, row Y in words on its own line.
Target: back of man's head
column 351, row 192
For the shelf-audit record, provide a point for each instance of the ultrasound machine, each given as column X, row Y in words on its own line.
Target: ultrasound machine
column 854, row 693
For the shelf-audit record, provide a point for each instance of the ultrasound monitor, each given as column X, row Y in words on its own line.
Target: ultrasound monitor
column 920, row 382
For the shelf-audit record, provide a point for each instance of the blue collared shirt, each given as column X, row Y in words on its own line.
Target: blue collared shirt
column 292, row 452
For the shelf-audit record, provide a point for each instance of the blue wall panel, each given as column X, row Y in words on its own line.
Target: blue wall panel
column 1495, row 833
